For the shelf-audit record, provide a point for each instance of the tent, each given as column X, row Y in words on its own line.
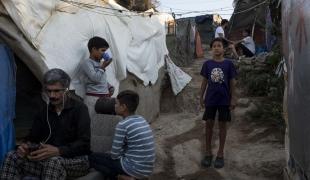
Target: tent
column 54, row 34
column 296, row 50
column 256, row 16
column 205, row 27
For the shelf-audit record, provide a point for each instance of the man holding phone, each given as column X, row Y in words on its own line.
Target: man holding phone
column 59, row 140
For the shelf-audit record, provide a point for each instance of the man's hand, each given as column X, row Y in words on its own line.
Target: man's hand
column 46, row 151
column 23, row 150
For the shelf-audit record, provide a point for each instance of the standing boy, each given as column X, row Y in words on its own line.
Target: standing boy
column 220, row 33
column 217, row 95
column 94, row 70
column 220, row 30
column 133, row 151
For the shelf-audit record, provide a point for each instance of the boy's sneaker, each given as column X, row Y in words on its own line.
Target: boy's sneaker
column 219, row 162
column 207, row 161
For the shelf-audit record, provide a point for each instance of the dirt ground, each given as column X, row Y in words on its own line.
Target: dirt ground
column 251, row 151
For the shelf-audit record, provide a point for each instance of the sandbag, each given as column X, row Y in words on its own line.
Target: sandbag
column 105, row 105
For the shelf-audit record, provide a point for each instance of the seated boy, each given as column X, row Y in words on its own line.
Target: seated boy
column 245, row 46
column 133, row 151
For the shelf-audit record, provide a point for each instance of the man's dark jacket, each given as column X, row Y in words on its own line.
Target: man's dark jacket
column 70, row 130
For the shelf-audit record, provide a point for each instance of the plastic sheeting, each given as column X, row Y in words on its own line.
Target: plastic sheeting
column 185, row 41
column 205, row 28
column 7, row 101
column 198, row 48
column 296, row 48
column 10, row 34
column 60, row 32
column 245, row 13
column 178, row 78
column 250, row 14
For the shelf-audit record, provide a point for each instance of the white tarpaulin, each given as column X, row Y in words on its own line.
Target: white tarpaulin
column 60, row 31
column 178, row 78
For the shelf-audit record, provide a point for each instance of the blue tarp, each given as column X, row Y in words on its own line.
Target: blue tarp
column 7, row 100
column 203, row 18
column 205, row 27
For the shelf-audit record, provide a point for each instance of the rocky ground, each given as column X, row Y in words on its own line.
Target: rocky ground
column 252, row 151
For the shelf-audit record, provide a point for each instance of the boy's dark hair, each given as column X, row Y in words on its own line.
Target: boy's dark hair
column 224, row 21
column 97, row 42
column 217, row 40
column 130, row 99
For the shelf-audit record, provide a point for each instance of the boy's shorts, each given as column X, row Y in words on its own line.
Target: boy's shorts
column 223, row 113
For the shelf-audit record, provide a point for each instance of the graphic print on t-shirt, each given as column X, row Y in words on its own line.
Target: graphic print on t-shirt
column 217, row 75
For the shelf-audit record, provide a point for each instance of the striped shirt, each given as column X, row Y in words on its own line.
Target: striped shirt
column 133, row 144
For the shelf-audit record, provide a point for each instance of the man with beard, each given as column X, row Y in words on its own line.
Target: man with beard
column 59, row 140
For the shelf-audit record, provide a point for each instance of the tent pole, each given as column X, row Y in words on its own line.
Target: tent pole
column 254, row 24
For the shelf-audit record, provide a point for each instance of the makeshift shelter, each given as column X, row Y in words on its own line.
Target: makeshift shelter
column 205, row 27
column 296, row 49
column 59, row 31
column 184, row 44
column 254, row 15
column 54, row 34
column 191, row 33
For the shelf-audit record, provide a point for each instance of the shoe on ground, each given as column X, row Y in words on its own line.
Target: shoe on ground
column 207, row 161
column 219, row 162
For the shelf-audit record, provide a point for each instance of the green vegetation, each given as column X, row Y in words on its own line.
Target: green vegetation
column 259, row 81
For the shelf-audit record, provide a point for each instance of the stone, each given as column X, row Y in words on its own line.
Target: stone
column 247, row 61
column 187, row 157
column 241, row 111
column 245, row 68
column 243, row 102
column 259, row 69
column 161, row 157
column 102, row 132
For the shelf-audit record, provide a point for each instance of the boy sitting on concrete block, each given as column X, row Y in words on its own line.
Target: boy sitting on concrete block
column 133, row 151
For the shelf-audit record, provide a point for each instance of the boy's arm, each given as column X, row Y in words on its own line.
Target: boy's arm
column 118, row 142
column 233, row 100
column 237, row 42
column 229, row 41
column 203, row 90
column 91, row 73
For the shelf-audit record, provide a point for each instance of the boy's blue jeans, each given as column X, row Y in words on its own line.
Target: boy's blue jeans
column 103, row 163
